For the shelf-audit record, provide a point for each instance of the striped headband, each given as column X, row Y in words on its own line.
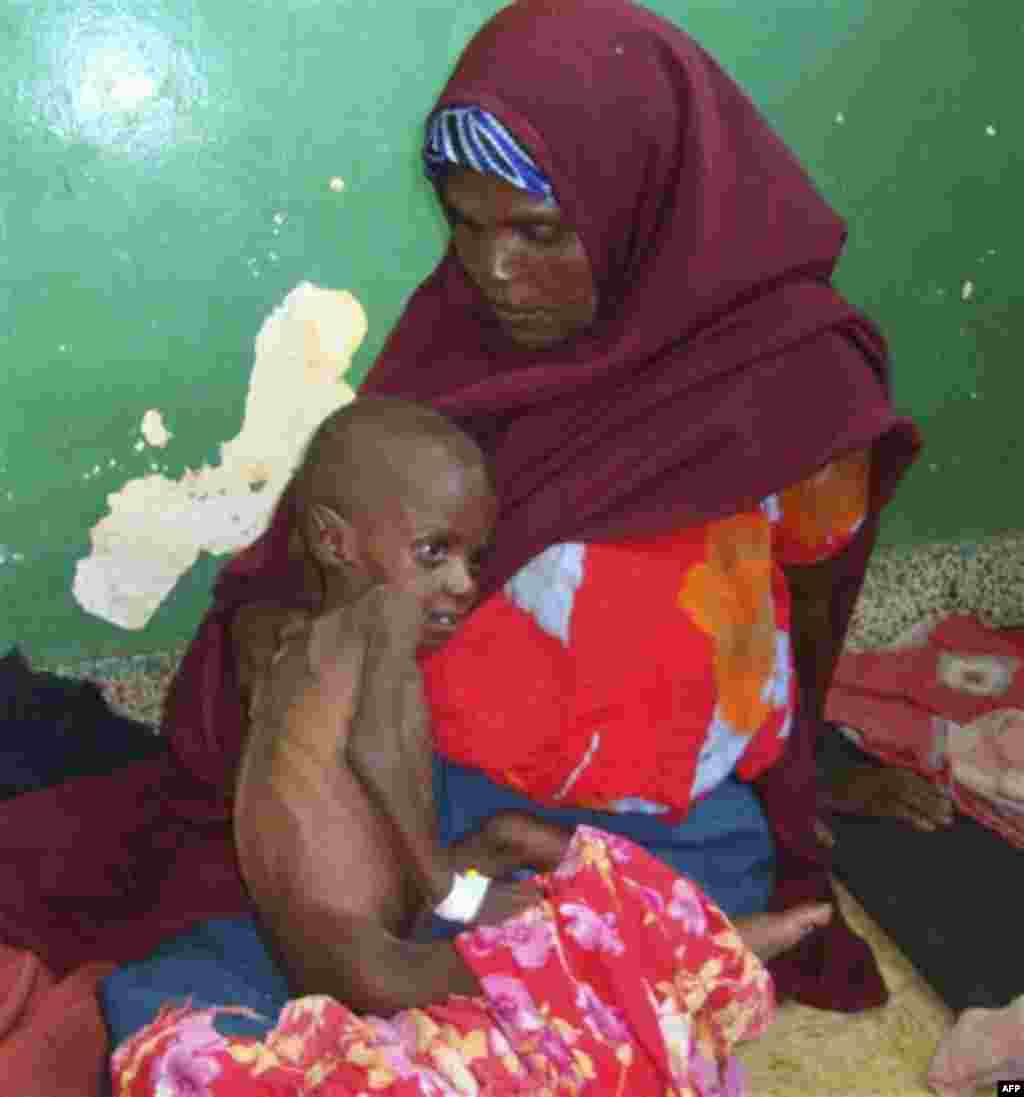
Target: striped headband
column 469, row 137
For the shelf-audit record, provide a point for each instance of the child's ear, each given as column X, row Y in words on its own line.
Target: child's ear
column 332, row 539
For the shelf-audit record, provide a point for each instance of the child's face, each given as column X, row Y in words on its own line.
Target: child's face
column 432, row 546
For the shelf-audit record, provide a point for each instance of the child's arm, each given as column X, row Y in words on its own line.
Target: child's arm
column 315, row 863
column 300, row 853
column 390, row 752
column 358, row 963
column 388, row 747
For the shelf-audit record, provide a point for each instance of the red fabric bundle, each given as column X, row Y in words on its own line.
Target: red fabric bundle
column 950, row 707
column 52, row 1038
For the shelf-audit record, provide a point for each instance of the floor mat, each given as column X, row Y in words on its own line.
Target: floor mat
column 879, row 1053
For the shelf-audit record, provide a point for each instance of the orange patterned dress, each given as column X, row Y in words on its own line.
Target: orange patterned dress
column 635, row 677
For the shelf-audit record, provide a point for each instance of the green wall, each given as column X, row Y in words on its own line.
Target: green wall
column 146, row 146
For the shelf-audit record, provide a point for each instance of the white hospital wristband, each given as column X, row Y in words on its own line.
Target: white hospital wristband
column 463, row 902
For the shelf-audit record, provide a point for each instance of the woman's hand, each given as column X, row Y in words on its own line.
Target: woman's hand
column 478, row 851
column 511, row 840
column 890, row 792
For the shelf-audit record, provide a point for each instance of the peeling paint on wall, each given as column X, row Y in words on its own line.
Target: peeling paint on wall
column 153, row 429
column 157, row 527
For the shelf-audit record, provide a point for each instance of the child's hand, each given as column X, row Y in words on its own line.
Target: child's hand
column 390, row 616
column 506, row 900
column 502, row 901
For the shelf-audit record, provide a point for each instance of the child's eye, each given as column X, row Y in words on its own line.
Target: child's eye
column 431, row 553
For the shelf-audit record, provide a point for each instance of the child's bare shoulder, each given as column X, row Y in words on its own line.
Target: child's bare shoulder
column 258, row 631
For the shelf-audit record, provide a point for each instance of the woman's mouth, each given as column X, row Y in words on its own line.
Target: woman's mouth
column 519, row 317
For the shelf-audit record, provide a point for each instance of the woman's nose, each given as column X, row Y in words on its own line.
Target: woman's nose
column 499, row 258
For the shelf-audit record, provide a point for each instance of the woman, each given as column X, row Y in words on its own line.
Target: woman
column 635, row 319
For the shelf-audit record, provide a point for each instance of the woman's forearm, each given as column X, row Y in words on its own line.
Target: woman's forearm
column 817, row 639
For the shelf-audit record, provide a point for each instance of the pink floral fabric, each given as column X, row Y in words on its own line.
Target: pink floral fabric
column 625, row 980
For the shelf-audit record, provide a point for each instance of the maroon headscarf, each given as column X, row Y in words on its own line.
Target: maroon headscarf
column 722, row 366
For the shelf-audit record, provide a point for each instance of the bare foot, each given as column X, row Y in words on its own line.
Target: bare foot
column 985, row 1045
column 824, row 834
column 768, row 935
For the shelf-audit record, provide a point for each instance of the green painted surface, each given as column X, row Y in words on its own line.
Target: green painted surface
column 146, row 146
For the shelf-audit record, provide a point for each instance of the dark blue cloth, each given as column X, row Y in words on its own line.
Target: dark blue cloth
column 54, row 728
column 724, row 844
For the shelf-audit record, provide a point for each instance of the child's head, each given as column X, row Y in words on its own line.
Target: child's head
column 392, row 492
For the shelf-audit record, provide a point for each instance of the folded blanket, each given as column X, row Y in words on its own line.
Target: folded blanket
column 625, row 979
column 53, row 1042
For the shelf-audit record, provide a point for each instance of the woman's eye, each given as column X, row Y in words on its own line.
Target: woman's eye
column 542, row 234
column 456, row 220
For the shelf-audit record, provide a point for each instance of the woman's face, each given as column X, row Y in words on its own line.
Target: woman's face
column 527, row 262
